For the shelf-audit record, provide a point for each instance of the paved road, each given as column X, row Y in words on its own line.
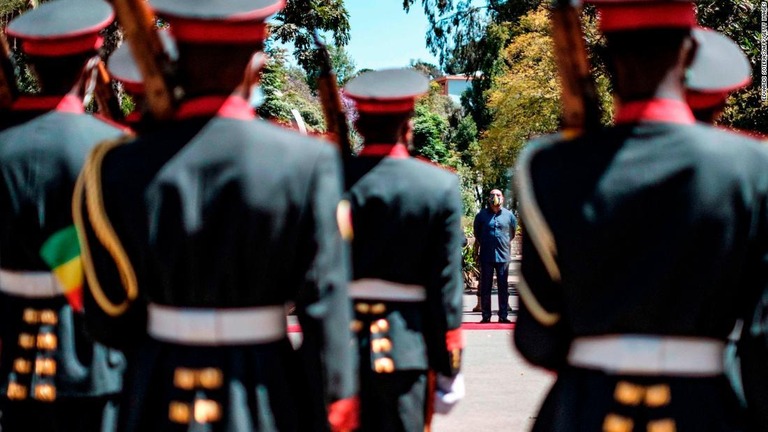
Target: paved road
column 503, row 391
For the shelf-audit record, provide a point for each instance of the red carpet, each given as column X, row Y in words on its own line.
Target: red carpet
column 487, row 326
column 295, row 328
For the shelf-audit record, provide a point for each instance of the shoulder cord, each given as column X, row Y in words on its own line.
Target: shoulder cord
column 88, row 186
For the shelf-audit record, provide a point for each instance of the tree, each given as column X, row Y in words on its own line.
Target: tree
column 285, row 88
column 468, row 37
column 525, row 97
column 297, row 22
column 428, row 69
column 430, row 126
column 343, row 66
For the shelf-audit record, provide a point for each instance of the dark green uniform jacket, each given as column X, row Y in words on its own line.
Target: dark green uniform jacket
column 47, row 355
column 226, row 211
column 406, row 216
column 656, row 226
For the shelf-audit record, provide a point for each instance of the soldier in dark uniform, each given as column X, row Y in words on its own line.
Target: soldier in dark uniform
column 406, row 255
column 645, row 242
column 200, row 231
column 53, row 377
column 719, row 69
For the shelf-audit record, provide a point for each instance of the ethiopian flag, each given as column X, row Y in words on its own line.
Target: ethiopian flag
column 62, row 254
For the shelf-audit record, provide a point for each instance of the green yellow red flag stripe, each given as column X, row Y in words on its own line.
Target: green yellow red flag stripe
column 62, row 254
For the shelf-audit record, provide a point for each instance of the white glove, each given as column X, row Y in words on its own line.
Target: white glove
column 449, row 391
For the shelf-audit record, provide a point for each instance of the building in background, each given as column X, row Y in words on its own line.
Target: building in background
column 455, row 85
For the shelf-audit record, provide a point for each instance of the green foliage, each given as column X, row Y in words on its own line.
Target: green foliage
column 285, row 88
column 429, row 133
column 343, row 66
column 428, row 69
column 464, row 139
column 524, row 98
column 299, row 19
column 459, row 33
column 11, row 8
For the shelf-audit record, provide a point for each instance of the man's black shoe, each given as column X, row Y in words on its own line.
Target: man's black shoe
column 504, row 321
column 485, row 321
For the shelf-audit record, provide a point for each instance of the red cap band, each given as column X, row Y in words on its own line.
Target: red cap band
column 62, row 47
column 701, row 100
column 647, row 15
column 379, row 106
column 230, row 32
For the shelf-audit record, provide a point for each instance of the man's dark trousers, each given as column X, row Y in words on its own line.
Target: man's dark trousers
column 486, row 282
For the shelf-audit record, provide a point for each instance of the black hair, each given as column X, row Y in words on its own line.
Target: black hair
column 383, row 128
column 58, row 75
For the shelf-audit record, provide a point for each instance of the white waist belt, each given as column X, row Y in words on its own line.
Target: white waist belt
column 648, row 355
column 201, row 326
column 34, row 284
column 378, row 289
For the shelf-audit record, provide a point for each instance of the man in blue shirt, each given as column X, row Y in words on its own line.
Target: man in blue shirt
column 494, row 229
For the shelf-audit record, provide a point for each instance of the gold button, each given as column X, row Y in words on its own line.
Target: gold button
column 45, row 392
column 184, row 378
column 663, row 425
column 378, row 308
column 456, row 359
column 178, row 412
column 49, row 317
column 210, row 378
column 657, row 395
column 26, row 341
column 628, row 393
column 16, row 391
column 31, row 316
column 356, row 326
column 617, row 423
column 45, row 366
column 207, row 411
column 384, row 365
column 22, row 366
column 363, row 308
column 47, row 341
column 383, row 325
column 381, row 345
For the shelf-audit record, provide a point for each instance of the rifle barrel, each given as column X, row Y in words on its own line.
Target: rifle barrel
column 138, row 24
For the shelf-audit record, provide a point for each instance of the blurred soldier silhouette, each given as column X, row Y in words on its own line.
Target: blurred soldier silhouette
column 201, row 230
column 719, row 68
column 406, row 251
column 633, row 313
column 53, row 377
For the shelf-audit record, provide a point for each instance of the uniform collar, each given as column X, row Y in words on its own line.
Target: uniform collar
column 397, row 151
column 66, row 103
column 655, row 110
column 231, row 106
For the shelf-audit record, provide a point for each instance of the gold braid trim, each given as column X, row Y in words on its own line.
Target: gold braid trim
column 535, row 224
column 543, row 316
column 88, row 186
